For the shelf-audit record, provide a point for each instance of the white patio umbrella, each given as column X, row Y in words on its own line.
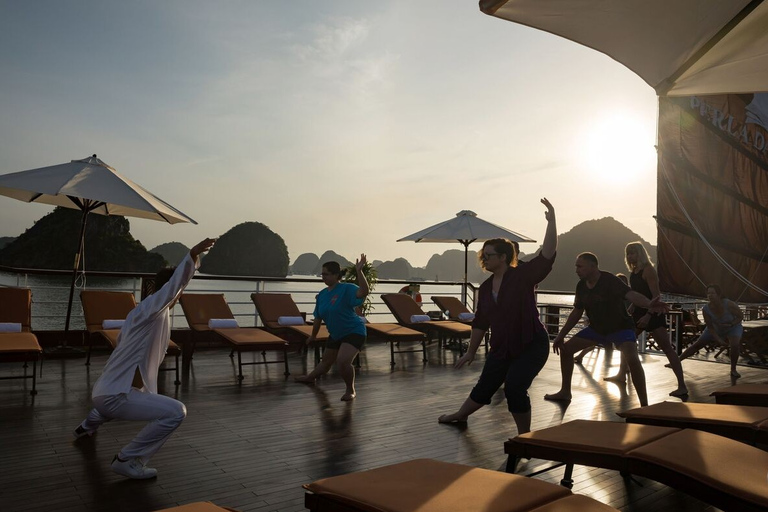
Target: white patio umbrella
column 680, row 48
column 91, row 186
column 466, row 227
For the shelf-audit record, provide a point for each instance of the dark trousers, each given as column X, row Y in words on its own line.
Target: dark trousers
column 516, row 373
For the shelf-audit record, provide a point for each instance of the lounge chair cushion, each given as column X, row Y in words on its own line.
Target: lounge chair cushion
column 272, row 306
column 10, row 327
column 19, row 342
column 711, row 459
column 201, row 506
column 17, row 307
column 99, row 305
column 251, row 336
column 596, row 437
column 745, row 394
column 575, row 503
column 222, row 323
column 695, row 414
column 425, row 485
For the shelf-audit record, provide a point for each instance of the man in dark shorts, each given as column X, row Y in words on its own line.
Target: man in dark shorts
column 602, row 294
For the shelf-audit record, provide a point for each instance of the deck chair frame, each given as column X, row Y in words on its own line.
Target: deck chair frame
column 440, row 486
column 403, row 307
column 394, row 334
column 100, row 305
column 747, row 424
column 200, row 308
column 19, row 347
column 648, row 451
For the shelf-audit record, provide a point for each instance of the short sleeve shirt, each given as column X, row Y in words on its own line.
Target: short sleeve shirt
column 336, row 308
column 604, row 304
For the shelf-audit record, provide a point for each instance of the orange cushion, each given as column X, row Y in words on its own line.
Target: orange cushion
column 395, row 332
column 202, row 506
column 306, row 330
column 575, row 503
column 242, row 336
column 425, row 485
column 719, row 414
column 743, row 389
column 719, row 462
column 596, row 436
column 18, row 342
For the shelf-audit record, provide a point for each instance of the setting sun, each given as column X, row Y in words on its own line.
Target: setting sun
column 619, row 149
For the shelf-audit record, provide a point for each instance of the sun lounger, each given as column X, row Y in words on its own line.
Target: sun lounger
column 200, row 506
column 451, row 307
column 722, row 472
column 100, row 305
column 425, row 485
column 200, row 308
column 743, row 394
column 395, row 334
column 743, row 423
column 403, row 307
column 22, row 347
column 271, row 306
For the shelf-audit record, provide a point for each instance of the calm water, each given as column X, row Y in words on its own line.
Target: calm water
column 50, row 294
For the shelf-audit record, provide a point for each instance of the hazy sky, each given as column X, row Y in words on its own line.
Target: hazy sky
column 341, row 125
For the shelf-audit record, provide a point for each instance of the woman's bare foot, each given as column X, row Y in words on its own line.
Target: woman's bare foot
column 304, row 379
column 679, row 392
column 618, row 379
column 451, row 418
column 348, row 397
column 559, row 396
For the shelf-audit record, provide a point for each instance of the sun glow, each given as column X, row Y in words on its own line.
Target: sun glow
column 619, row 149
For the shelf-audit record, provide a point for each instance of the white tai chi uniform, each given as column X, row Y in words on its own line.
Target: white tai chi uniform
column 141, row 344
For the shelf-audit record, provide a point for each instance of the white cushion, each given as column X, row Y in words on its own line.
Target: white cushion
column 417, row 319
column 10, row 327
column 222, row 323
column 112, row 324
column 290, row 320
column 466, row 317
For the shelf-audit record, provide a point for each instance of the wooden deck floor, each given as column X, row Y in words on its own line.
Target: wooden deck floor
column 252, row 446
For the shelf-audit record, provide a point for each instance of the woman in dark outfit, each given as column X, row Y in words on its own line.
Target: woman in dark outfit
column 644, row 280
column 519, row 341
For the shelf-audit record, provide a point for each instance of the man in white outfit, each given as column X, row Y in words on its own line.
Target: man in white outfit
column 141, row 347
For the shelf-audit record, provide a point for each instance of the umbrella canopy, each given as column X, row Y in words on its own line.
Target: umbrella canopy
column 680, row 48
column 88, row 182
column 466, row 227
column 89, row 185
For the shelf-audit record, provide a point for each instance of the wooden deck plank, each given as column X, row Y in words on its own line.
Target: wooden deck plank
column 251, row 446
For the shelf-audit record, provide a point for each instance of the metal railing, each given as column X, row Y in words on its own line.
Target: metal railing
column 50, row 290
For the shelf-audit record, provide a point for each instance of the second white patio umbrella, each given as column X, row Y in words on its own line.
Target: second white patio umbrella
column 466, row 227
column 91, row 186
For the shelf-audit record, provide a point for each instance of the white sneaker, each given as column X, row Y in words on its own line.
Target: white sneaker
column 133, row 468
column 80, row 432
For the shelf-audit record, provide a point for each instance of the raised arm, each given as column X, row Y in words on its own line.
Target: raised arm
column 362, row 283
column 549, row 246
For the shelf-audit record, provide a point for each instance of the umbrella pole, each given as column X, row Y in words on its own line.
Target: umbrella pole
column 64, row 347
column 464, row 289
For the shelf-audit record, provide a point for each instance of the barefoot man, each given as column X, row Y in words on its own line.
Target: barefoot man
column 602, row 295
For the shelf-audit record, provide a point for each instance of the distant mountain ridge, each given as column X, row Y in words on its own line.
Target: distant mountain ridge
column 173, row 252
column 605, row 237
